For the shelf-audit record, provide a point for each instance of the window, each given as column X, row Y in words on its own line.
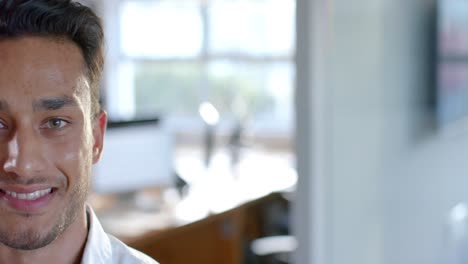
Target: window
column 172, row 55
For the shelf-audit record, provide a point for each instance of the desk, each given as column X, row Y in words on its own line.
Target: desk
column 217, row 238
column 222, row 212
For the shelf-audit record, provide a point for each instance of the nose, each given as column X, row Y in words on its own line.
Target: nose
column 25, row 157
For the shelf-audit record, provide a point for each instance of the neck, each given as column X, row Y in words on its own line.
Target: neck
column 67, row 248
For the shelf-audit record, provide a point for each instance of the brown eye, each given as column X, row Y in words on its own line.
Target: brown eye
column 56, row 123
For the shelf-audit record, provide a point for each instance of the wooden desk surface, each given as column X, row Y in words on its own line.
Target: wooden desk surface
column 217, row 238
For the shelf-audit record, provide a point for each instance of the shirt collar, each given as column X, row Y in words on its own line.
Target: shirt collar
column 98, row 247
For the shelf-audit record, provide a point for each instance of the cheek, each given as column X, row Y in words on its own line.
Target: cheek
column 71, row 155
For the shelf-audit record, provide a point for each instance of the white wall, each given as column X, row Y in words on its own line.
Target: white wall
column 425, row 171
column 377, row 180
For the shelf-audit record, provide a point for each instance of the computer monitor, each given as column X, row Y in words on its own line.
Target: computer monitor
column 136, row 155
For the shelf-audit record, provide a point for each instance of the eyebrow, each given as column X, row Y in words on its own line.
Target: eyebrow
column 50, row 104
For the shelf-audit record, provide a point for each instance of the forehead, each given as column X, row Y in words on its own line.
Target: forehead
column 40, row 67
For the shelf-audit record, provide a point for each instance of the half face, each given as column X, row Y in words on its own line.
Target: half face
column 48, row 139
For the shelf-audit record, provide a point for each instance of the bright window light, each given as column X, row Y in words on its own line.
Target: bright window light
column 154, row 29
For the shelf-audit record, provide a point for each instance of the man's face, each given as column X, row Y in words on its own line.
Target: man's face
column 48, row 139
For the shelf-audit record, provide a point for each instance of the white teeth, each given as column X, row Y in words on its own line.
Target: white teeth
column 29, row 196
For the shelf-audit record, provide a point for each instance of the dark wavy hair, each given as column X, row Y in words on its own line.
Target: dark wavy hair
column 59, row 19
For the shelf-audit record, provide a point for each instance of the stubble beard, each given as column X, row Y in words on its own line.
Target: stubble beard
column 32, row 238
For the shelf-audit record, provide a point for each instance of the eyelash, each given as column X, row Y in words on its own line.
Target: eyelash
column 62, row 121
column 46, row 125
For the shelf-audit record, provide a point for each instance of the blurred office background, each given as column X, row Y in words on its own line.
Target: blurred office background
column 353, row 111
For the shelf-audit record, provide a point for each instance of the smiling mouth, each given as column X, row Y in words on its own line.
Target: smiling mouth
column 29, row 196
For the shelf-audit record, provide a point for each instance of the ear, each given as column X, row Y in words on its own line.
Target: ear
column 99, row 128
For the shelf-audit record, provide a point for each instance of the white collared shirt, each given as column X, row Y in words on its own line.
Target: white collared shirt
column 104, row 248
